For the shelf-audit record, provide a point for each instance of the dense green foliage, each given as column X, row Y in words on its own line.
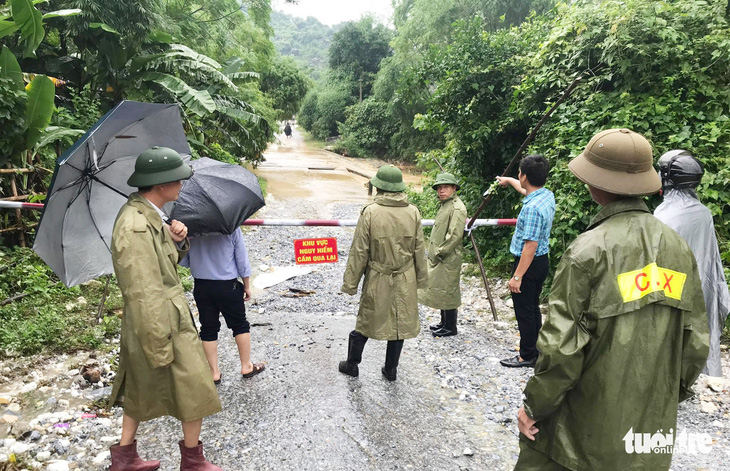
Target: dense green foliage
column 214, row 58
column 324, row 106
column 355, row 54
column 286, row 85
column 423, row 26
column 305, row 40
column 657, row 68
column 64, row 63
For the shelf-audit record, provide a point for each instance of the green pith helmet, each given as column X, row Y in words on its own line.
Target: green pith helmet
column 159, row 165
column 445, row 179
column 388, row 178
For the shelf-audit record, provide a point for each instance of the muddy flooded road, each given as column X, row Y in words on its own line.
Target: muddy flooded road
column 295, row 170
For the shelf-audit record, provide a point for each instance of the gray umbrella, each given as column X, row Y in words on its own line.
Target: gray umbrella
column 217, row 199
column 89, row 187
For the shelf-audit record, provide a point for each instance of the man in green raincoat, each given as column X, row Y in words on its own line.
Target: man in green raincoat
column 162, row 367
column 444, row 256
column 388, row 250
column 626, row 333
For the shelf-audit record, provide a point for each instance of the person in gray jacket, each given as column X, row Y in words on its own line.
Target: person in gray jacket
column 682, row 210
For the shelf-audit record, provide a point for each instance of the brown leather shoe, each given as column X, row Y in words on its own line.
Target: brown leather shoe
column 193, row 459
column 125, row 458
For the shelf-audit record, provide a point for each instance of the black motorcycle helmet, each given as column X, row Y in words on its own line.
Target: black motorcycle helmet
column 679, row 169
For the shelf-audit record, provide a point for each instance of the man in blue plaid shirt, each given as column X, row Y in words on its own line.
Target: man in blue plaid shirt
column 530, row 245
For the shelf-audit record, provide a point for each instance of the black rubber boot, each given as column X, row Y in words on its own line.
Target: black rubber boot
column 449, row 327
column 355, row 346
column 392, row 356
column 440, row 325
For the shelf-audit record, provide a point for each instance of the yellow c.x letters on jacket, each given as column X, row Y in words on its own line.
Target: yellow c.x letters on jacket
column 638, row 283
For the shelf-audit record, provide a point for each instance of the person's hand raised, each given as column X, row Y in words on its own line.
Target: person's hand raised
column 178, row 231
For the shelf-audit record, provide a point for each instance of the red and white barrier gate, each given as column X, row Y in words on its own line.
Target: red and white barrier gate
column 290, row 222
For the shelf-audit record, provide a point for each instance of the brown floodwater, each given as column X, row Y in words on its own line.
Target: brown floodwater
column 294, row 170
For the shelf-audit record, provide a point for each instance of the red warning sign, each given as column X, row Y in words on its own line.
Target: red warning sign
column 315, row 250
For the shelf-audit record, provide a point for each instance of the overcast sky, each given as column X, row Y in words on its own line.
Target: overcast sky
column 331, row 12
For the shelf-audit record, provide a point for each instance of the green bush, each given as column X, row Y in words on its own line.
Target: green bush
column 12, row 119
column 366, row 129
column 659, row 68
column 323, row 108
column 51, row 317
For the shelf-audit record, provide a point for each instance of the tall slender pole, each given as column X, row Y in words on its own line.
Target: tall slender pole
column 484, row 276
column 530, row 137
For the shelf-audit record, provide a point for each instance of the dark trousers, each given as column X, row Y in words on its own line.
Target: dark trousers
column 527, row 304
column 214, row 297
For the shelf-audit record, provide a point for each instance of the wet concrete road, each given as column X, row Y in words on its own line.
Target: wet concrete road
column 302, row 414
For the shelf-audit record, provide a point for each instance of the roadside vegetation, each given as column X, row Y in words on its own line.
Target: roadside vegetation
column 63, row 65
column 464, row 82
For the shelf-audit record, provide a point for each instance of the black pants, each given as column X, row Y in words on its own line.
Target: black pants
column 527, row 304
column 214, row 297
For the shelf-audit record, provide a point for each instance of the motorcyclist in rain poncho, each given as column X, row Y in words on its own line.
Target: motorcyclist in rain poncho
column 682, row 211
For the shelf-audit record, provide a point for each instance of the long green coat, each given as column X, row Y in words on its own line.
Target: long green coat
column 388, row 249
column 162, row 367
column 625, row 338
column 444, row 256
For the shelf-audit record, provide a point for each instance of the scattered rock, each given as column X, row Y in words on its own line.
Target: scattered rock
column 19, row 448
column 43, row 456
column 14, row 407
column 101, row 457
column 468, row 452
column 32, row 386
column 708, row 407
column 715, row 384
column 4, row 400
column 58, row 465
column 92, row 375
column 10, row 418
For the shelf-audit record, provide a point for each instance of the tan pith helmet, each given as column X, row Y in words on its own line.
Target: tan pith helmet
column 619, row 161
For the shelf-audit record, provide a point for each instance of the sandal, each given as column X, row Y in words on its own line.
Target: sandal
column 217, row 382
column 257, row 368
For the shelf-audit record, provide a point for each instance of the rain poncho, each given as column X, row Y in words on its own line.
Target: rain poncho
column 162, row 367
column 683, row 212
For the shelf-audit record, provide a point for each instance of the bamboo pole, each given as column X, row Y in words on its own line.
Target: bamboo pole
column 18, row 212
column 17, row 170
column 18, row 228
column 15, row 198
column 488, row 195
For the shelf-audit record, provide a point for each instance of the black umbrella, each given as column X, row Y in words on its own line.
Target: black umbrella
column 217, row 199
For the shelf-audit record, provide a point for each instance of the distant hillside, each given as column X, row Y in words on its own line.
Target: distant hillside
column 306, row 40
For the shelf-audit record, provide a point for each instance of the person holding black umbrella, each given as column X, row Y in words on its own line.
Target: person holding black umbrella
column 216, row 262
column 162, row 367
